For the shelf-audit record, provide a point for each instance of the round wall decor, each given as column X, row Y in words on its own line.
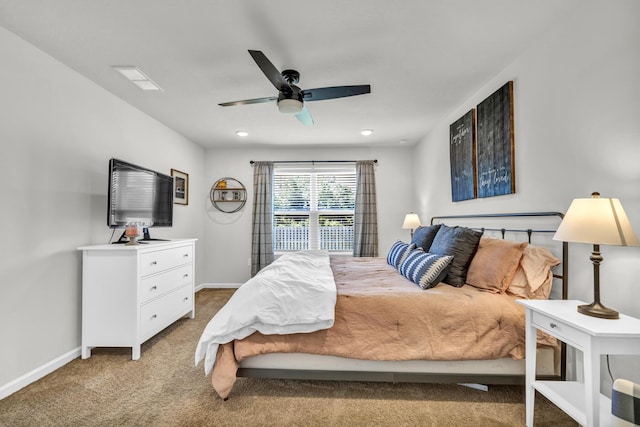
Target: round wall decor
column 228, row 195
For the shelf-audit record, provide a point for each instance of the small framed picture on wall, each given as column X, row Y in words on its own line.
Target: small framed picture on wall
column 180, row 187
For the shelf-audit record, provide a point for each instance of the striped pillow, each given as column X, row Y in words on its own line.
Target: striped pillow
column 424, row 269
column 399, row 252
column 625, row 403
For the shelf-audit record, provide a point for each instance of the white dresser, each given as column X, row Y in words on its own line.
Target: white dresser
column 130, row 293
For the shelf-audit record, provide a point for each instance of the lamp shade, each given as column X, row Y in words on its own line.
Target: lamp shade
column 411, row 221
column 595, row 220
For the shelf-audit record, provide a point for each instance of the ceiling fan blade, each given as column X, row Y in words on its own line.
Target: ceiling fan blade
column 321, row 93
column 249, row 101
column 270, row 70
column 305, row 117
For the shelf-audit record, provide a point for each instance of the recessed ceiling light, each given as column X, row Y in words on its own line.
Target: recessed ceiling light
column 242, row 133
column 366, row 132
column 137, row 77
column 146, row 84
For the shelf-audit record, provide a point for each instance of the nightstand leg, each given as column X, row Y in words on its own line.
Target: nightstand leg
column 592, row 384
column 530, row 372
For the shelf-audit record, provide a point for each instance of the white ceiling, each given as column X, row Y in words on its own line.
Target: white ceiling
column 422, row 58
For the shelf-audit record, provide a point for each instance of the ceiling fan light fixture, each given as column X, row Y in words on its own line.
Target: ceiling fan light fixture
column 366, row 132
column 289, row 106
column 242, row 133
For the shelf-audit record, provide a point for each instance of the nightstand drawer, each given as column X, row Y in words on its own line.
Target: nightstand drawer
column 558, row 329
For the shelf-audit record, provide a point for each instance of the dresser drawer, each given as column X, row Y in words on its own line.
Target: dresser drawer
column 160, row 260
column 160, row 313
column 159, row 284
column 558, row 329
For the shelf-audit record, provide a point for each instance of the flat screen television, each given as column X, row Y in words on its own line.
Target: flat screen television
column 138, row 196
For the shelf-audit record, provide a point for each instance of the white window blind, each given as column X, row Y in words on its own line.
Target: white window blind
column 313, row 207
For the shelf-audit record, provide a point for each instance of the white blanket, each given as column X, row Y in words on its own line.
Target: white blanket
column 294, row 294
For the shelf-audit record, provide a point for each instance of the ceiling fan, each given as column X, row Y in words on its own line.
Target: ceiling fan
column 291, row 98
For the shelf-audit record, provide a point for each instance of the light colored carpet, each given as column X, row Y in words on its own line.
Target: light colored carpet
column 164, row 388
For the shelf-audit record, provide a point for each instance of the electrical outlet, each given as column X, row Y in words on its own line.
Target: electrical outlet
column 249, row 261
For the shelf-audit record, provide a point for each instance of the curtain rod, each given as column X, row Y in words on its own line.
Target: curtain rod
column 314, row 161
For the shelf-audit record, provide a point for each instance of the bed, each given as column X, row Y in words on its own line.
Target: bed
column 393, row 319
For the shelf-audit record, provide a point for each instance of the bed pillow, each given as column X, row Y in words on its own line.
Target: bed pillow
column 399, row 252
column 533, row 277
column 425, row 269
column 423, row 236
column 494, row 264
column 462, row 244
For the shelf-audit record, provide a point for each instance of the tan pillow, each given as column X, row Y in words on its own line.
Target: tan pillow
column 494, row 264
column 533, row 277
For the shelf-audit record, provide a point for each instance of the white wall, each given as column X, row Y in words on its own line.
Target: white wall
column 228, row 244
column 57, row 133
column 577, row 130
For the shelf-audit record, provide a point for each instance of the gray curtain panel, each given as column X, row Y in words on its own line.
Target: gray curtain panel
column 365, row 239
column 262, row 228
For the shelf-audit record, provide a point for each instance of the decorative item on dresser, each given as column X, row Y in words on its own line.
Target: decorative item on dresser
column 130, row 293
column 600, row 221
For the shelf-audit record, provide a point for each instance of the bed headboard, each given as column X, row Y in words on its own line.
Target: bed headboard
column 520, row 225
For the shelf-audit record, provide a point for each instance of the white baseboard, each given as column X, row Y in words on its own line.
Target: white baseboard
column 36, row 374
column 217, row 286
column 44, row 370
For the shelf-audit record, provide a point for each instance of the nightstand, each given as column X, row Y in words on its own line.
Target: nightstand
column 593, row 336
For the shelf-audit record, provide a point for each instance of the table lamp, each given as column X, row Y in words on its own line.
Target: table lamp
column 598, row 221
column 411, row 222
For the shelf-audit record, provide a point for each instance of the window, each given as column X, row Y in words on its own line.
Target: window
column 313, row 207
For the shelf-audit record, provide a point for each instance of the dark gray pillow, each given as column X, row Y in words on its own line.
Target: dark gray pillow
column 423, row 236
column 462, row 243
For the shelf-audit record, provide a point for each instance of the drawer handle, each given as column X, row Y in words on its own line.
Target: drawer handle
column 186, row 299
column 154, row 316
column 553, row 325
column 154, row 263
column 185, row 276
column 185, row 256
column 153, row 288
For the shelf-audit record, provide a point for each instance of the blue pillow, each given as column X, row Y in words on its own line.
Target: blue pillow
column 424, row 269
column 462, row 244
column 423, row 236
column 399, row 252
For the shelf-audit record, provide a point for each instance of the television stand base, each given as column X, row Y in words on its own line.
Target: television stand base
column 146, row 236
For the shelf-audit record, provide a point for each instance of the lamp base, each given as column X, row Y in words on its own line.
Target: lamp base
column 596, row 309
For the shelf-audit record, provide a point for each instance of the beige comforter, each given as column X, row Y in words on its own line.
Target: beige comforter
column 380, row 315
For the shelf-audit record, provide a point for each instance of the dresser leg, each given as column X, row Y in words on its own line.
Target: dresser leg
column 135, row 352
column 86, row 352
